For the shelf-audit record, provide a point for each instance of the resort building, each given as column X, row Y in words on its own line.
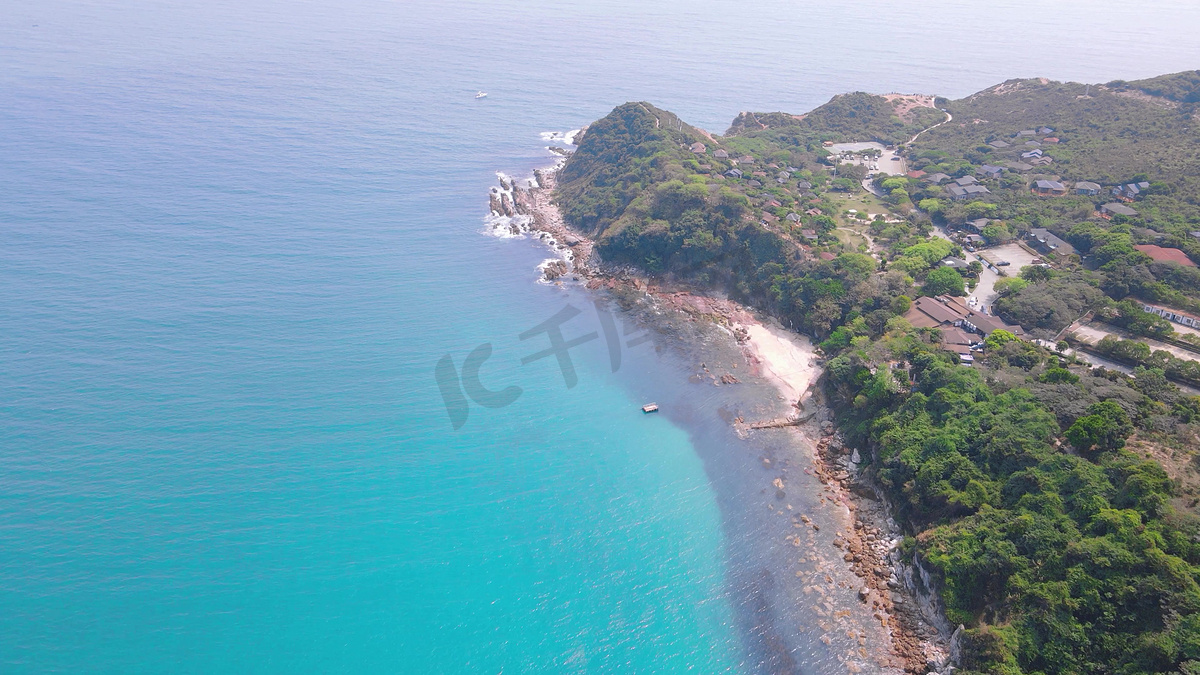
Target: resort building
column 1049, row 188
column 1171, row 315
column 959, row 193
column 1162, row 254
column 990, row 171
column 1116, row 209
column 1130, row 191
column 947, row 311
column 1045, row 242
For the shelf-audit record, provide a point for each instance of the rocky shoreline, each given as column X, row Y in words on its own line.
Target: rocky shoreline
column 899, row 595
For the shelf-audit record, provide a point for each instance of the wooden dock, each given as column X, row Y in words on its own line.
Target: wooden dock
column 782, row 422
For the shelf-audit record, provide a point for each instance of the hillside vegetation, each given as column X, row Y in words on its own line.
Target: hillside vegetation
column 1057, row 548
column 1056, row 561
column 858, row 116
column 1181, row 87
column 1106, row 136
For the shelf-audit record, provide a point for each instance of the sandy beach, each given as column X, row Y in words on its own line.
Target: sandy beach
column 787, row 359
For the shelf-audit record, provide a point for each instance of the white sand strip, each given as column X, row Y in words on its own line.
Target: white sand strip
column 787, row 359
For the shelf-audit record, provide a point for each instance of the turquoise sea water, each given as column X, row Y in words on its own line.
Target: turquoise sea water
column 235, row 239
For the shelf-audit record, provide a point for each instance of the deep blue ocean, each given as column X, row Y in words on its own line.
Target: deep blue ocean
column 237, row 237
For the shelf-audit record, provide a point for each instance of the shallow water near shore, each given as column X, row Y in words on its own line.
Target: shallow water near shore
column 237, row 238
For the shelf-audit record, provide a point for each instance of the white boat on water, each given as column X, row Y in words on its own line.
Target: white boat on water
column 482, row 94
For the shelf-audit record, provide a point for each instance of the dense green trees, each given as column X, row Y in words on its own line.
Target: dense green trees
column 1130, row 316
column 1104, row 428
column 1056, row 563
column 1138, row 353
column 943, row 281
column 918, row 258
column 1045, row 307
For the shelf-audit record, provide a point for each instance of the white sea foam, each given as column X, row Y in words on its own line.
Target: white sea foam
column 518, row 226
column 498, row 223
column 564, row 137
column 507, row 227
column 541, row 269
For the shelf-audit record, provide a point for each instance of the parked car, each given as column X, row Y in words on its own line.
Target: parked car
column 1003, row 263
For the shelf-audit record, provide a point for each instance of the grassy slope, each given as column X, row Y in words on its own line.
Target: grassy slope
column 1108, row 136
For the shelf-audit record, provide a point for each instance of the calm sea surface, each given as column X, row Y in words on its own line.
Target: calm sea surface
column 236, row 238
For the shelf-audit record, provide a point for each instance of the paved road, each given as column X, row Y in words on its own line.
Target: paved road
column 985, row 291
column 892, row 164
column 1096, row 360
column 1095, row 332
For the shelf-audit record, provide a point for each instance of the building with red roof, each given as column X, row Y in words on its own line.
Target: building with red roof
column 1166, row 254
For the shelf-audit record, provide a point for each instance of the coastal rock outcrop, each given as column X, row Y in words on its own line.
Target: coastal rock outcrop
column 554, row 269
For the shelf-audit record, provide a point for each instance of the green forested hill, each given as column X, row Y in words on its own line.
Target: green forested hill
column 650, row 201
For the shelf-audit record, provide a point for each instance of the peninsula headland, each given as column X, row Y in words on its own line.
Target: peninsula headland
column 986, row 323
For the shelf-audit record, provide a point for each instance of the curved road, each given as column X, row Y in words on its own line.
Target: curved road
column 885, row 160
column 949, row 117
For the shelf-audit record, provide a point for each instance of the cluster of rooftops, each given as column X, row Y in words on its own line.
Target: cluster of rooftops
column 967, row 187
column 963, row 329
column 1045, row 241
column 960, row 188
column 1033, row 156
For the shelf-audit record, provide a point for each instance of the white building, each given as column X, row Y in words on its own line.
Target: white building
column 1172, row 315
